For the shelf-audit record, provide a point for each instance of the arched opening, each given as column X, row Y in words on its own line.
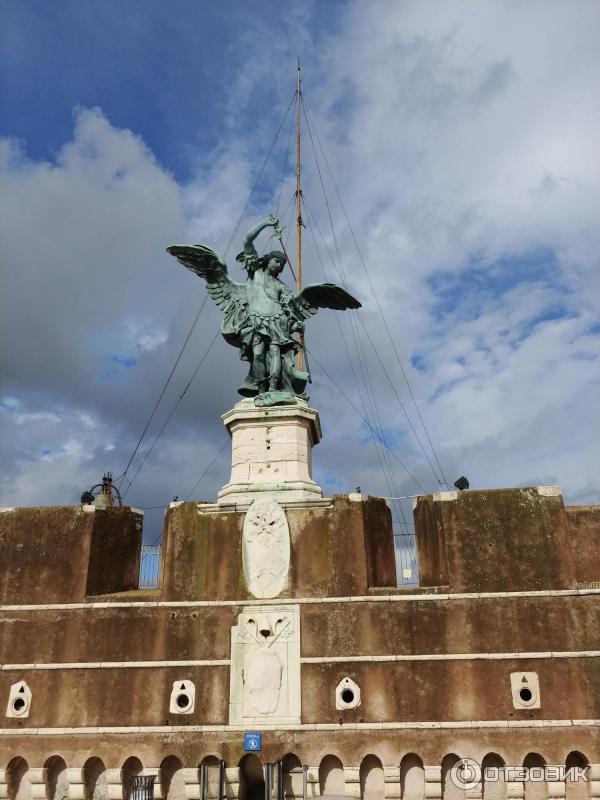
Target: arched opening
column 535, row 783
column 372, row 782
column 57, row 785
column 331, row 776
column 452, row 788
column 292, row 776
column 171, row 780
column 211, row 766
column 131, row 768
column 493, row 778
column 412, row 778
column 94, row 780
column 252, row 779
column 577, row 786
column 17, row 783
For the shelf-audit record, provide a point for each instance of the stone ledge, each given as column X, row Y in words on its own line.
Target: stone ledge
column 228, row 508
column 316, row 727
column 225, row 662
column 426, row 596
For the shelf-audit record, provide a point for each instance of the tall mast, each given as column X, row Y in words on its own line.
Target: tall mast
column 298, row 195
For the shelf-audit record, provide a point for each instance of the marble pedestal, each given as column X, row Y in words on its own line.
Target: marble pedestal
column 271, row 452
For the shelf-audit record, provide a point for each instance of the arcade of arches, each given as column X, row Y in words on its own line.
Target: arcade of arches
column 409, row 780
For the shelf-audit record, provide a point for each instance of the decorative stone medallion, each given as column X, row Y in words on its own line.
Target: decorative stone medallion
column 265, row 666
column 266, row 548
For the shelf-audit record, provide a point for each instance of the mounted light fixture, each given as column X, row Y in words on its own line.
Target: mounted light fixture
column 461, row 484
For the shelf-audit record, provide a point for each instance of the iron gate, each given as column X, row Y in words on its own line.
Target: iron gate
column 212, row 781
column 143, row 787
column 274, row 788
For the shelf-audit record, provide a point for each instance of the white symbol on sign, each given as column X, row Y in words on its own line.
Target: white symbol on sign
column 252, row 743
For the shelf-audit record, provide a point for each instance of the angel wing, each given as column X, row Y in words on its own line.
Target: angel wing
column 209, row 265
column 229, row 295
column 323, row 295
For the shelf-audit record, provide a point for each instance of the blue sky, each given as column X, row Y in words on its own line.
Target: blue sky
column 159, row 69
column 462, row 141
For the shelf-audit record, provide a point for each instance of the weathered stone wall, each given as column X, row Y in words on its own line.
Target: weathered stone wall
column 140, row 629
column 339, row 548
column 433, row 665
column 498, row 540
column 584, row 538
column 63, row 553
column 432, row 659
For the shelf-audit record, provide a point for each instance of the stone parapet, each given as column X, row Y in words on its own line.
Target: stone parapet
column 584, row 537
column 65, row 553
column 339, row 547
column 494, row 540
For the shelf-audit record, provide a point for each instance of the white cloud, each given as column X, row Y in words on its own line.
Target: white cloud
column 462, row 140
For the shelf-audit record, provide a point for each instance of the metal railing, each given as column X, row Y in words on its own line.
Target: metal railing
column 150, row 567
column 407, row 569
column 212, row 780
column 143, row 787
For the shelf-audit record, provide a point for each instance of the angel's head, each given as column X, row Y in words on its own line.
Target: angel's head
column 276, row 261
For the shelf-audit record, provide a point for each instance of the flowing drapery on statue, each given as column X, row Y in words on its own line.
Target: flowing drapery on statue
column 261, row 316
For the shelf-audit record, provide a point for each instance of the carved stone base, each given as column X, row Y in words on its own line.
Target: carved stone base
column 271, row 452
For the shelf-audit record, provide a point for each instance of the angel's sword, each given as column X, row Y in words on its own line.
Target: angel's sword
column 279, row 235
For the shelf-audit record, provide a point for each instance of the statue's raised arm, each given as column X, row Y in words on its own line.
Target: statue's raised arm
column 249, row 249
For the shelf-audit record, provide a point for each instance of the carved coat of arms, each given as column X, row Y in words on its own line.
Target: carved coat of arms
column 266, row 548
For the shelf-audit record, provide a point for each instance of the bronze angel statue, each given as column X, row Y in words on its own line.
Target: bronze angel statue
column 261, row 316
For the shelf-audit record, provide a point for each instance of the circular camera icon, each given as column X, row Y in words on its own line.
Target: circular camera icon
column 465, row 774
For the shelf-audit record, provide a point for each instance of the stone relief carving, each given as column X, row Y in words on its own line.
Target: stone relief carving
column 266, row 548
column 265, row 665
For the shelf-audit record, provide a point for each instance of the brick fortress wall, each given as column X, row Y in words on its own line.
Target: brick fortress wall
column 506, row 589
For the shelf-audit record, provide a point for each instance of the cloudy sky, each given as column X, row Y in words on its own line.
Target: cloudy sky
column 462, row 138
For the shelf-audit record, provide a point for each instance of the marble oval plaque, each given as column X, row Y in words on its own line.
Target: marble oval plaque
column 266, row 548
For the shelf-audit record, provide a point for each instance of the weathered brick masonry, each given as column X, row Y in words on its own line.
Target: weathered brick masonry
column 509, row 584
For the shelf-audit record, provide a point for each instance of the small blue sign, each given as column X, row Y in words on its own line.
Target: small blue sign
column 252, row 742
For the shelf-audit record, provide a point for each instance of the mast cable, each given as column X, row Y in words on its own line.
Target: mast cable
column 383, row 456
column 345, row 343
column 181, row 396
column 197, row 317
column 300, row 338
column 366, row 421
column 341, row 268
column 207, row 470
column 342, row 275
column 360, row 319
column 379, row 440
column 379, row 425
column 351, row 315
column 258, row 177
column 287, row 155
column 164, row 388
column 307, row 115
